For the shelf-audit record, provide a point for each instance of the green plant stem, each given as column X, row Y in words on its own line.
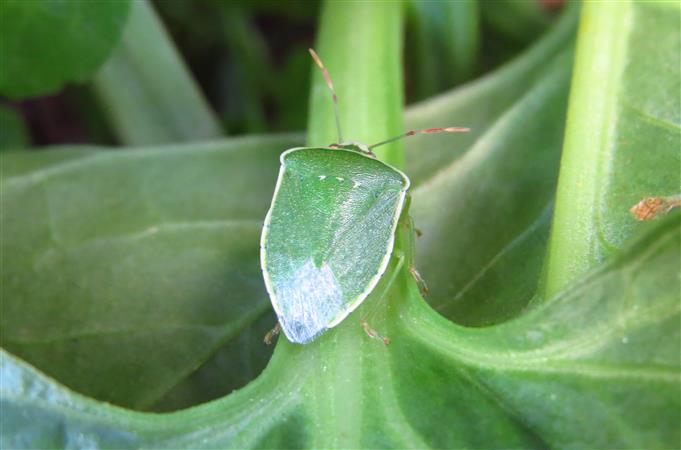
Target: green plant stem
column 574, row 245
column 147, row 91
column 364, row 62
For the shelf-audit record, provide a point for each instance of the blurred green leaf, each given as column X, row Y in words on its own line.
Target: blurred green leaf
column 442, row 45
column 45, row 44
column 247, row 69
column 13, row 132
column 146, row 90
column 292, row 79
column 509, row 26
column 479, row 104
column 251, row 57
column 517, row 20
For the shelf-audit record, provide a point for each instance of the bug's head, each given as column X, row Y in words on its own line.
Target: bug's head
column 355, row 147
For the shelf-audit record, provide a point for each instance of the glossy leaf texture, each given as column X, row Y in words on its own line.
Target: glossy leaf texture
column 503, row 172
column 126, row 280
column 526, row 383
column 623, row 138
column 45, row 44
column 595, row 365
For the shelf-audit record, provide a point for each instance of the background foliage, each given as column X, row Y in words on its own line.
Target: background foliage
column 130, row 273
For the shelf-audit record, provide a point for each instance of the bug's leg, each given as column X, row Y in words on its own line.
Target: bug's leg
column 373, row 333
column 269, row 337
column 405, row 219
column 413, row 233
column 393, row 276
column 419, row 281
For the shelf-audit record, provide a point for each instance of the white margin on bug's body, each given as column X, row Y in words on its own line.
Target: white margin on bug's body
column 354, row 304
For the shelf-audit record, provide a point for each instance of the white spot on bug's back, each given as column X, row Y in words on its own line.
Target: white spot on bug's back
column 340, row 178
column 356, row 184
column 321, row 177
column 309, row 299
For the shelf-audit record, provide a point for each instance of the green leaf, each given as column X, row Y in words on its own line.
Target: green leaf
column 135, row 267
column 479, row 104
column 147, row 91
column 45, row 44
column 575, row 372
column 443, row 44
column 623, row 132
column 13, row 132
column 252, row 75
column 493, row 276
column 596, row 365
column 518, row 20
column 474, row 182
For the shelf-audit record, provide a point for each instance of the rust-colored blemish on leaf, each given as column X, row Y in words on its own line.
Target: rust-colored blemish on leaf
column 653, row 207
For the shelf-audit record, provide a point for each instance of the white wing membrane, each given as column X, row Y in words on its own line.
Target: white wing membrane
column 310, row 300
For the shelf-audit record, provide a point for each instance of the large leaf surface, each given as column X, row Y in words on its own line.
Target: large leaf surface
column 507, row 174
column 595, row 366
column 624, row 131
column 130, row 284
column 526, row 383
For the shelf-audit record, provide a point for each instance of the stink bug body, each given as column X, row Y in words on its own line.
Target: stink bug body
column 329, row 234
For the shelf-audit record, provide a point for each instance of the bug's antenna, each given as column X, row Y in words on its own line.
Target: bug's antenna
column 329, row 83
column 426, row 131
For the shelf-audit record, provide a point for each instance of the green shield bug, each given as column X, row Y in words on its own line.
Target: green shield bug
column 329, row 233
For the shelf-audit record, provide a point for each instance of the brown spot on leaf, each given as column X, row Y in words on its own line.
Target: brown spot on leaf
column 653, row 207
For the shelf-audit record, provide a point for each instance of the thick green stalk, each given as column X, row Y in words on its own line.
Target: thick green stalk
column 587, row 151
column 147, row 91
column 360, row 44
